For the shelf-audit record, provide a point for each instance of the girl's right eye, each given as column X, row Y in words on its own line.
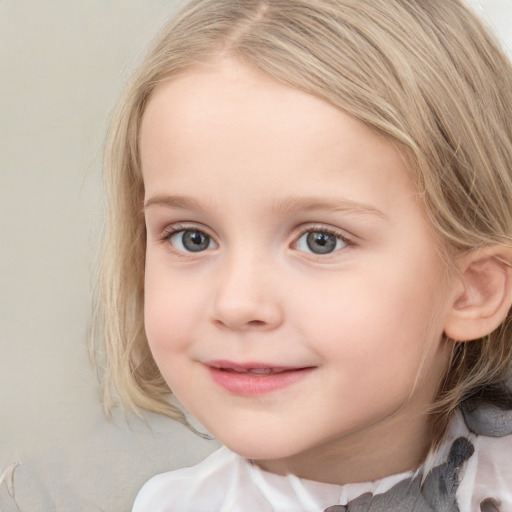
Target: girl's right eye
column 191, row 240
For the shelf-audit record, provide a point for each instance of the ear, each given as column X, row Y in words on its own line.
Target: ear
column 484, row 295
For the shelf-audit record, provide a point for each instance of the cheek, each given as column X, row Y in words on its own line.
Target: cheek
column 172, row 316
column 168, row 319
column 373, row 316
column 168, row 311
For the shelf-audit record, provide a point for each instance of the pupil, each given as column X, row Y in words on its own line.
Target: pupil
column 321, row 243
column 195, row 241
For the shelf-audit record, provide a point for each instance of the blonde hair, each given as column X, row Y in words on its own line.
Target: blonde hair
column 424, row 73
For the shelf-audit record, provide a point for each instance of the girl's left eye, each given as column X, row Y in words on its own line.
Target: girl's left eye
column 191, row 240
column 320, row 242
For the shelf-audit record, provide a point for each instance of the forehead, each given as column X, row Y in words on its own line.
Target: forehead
column 212, row 97
column 231, row 122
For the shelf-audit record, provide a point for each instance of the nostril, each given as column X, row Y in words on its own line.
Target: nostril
column 256, row 323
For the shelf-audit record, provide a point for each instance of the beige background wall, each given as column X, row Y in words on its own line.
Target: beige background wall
column 62, row 64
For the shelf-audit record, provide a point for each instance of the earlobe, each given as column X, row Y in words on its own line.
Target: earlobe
column 484, row 296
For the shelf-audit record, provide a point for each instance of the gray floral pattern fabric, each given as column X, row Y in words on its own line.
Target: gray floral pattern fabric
column 436, row 494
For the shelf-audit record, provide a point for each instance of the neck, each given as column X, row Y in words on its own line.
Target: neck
column 361, row 457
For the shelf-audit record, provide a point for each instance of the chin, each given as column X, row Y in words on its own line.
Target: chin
column 260, row 447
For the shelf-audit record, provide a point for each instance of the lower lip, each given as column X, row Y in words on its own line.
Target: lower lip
column 248, row 384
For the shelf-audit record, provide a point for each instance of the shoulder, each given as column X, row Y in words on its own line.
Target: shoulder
column 225, row 481
column 487, row 481
column 201, row 486
column 486, row 484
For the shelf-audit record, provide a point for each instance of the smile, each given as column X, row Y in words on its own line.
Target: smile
column 254, row 378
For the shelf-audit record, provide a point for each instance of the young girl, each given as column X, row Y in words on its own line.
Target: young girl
column 309, row 243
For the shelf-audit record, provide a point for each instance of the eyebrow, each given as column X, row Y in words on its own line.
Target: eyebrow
column 179, row 202
column 289, row 205
column 293, row 204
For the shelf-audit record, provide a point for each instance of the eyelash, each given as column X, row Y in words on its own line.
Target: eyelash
column 177, row 228
column 324, row 229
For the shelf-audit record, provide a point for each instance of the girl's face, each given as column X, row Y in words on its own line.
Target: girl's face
column 293, row 286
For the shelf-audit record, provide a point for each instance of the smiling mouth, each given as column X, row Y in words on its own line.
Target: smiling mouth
column 254, row 378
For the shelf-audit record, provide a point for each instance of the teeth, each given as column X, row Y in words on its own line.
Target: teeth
column 255, row 371
column 260, row 371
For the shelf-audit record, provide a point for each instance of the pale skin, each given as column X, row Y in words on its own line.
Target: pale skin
column 249, row 168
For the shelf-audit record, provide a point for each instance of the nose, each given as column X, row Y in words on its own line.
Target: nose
column 247, row 296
